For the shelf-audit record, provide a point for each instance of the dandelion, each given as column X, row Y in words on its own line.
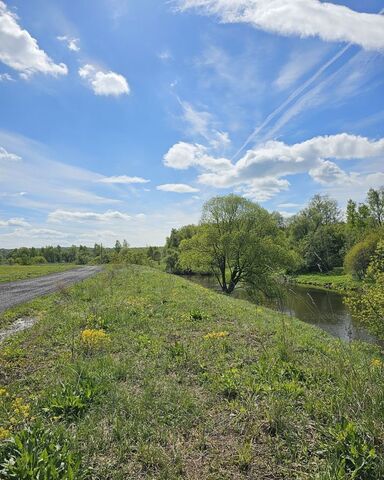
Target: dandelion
column 376, row 362
column 3, row 392
column 214, row 335
column 94, row 339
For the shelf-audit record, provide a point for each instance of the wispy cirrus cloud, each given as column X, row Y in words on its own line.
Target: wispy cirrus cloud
column 80, row 216
column 328, row 21
column 20, row 51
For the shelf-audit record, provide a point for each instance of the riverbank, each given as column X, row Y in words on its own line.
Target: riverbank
column 337, row 282
column 184, row 383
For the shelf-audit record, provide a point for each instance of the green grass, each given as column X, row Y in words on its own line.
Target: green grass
column 269, row 397
column 331, row 281
column 10, row 273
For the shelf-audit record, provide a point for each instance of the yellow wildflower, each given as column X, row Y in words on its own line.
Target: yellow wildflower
column 20, row 408
column 94, row 339
column 376, row 362
column 216, row 335
column 3, row 392
column 4, row 434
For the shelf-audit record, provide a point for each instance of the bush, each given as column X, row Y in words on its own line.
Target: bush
column 39, row 260
column 357, row 259
column 367, row 305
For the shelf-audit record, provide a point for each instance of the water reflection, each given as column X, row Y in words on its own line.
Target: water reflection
column 322, row 308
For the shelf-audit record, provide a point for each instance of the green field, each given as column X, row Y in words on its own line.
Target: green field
column 9, row 273
column 136, row 374
column 331, row 281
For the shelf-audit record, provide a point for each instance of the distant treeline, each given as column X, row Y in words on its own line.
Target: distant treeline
column 82, row 255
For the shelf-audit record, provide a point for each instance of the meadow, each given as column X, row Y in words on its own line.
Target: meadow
column 139, row 374
column 10, row 273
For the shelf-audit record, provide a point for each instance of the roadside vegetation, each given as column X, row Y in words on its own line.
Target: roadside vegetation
column 10, row 273
column 139, row 374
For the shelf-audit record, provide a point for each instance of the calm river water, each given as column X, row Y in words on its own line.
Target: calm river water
column 322, row 308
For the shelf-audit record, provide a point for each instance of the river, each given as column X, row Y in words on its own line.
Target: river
column 322, row 308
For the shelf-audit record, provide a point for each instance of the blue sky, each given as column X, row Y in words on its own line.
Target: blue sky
column 119, row 118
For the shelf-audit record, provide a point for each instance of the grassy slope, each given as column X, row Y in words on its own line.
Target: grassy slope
column 338, row 282
column 275, row 399
column 9, row 273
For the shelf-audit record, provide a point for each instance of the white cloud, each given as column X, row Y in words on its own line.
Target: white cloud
column 304, row 18
column 260, row 173
column 262, row 189
column 123, row 179
column 72, row 43
column 177, row 188
column 279, row 159
column 14, row 222
column 104, row 83
column 184, row 155
column 6, row 156
column 328, row 173
column 20, row 51
column 70, row 216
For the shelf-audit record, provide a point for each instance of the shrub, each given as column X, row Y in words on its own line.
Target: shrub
column 358, row 257
column 367, row 305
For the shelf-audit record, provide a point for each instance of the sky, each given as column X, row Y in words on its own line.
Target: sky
column 120, row 118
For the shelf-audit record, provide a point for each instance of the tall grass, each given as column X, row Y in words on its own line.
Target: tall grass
column 190, row 384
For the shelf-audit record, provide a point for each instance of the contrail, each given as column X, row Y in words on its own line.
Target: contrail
column 292, row 97
column 295, row 94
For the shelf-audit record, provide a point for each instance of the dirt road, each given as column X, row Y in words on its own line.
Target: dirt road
column 21, row 291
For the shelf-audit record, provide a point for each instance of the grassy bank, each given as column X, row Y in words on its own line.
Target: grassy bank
column 183, row 383
column 10, row 273
column 331, row 281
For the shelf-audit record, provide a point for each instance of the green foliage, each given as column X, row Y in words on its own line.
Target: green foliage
column 72, row 399
column 352, row 453
column 367, row 304
column 39, row 452
column 237, row 241
column 318, row 235
column 172, row 246
column 358, row 257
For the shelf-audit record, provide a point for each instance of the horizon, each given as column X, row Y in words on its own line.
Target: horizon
column 119, row 120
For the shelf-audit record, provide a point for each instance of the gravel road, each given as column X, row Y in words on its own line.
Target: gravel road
column 21, row 291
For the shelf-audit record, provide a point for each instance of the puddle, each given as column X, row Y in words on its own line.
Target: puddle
column 18, row 326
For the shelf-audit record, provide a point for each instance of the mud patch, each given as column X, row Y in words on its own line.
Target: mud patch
column 21, row 324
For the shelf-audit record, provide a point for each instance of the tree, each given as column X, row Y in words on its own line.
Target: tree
column 367, row 305
column 318, row 234
column 375, row 200
column 238, row 241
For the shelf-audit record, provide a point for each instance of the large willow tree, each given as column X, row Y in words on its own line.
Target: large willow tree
column 239, row 242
